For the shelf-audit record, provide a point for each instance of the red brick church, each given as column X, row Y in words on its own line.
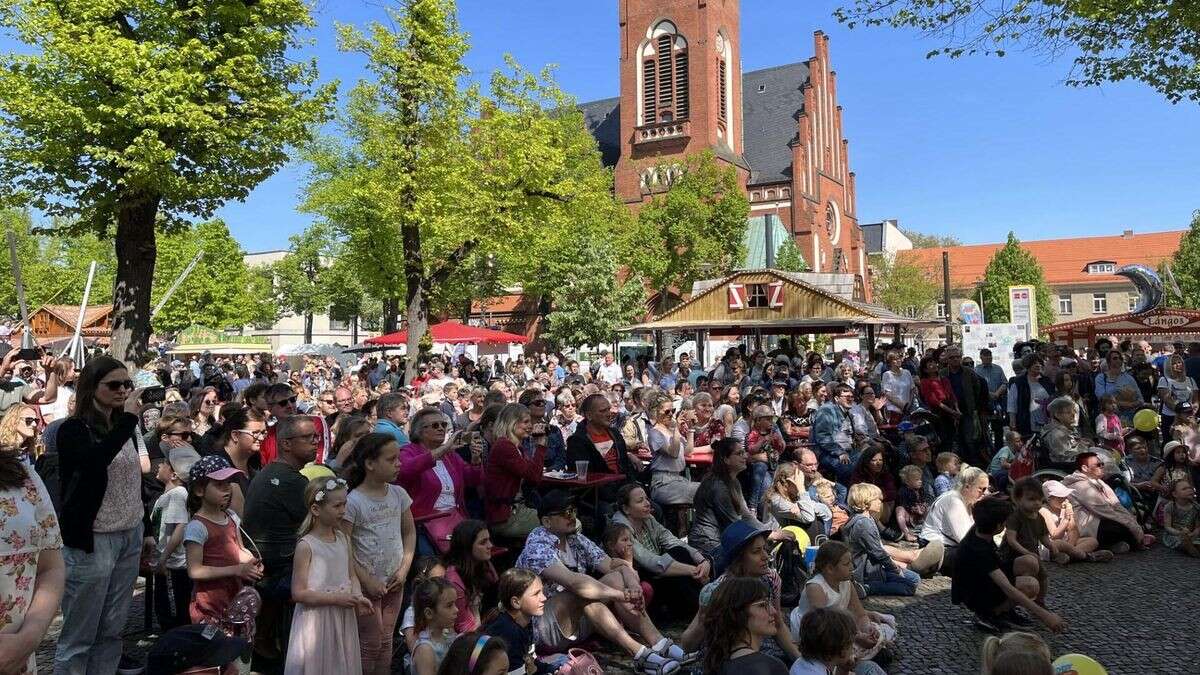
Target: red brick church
column 683, row 91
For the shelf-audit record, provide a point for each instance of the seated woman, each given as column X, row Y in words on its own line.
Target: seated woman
column 433, row 474
column 872, row 469
column 739, row 617
column 787, row 501
column 830, row 588
column 744, row 554
column 719, row 502
column 669, row 448
column 1098, row 512
column 508, row 468
column 706, row 426
column 949, row 518
column 874, row 568
column 674, row 569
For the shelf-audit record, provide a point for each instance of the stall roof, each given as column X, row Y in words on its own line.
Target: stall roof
column 792, row 304
column 453, row 332
column 1160, row 321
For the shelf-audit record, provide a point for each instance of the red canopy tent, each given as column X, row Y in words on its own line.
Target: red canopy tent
column 453, row 332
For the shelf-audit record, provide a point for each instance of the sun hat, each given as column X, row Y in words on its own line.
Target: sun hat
column 735, row 538
column 1055, row 488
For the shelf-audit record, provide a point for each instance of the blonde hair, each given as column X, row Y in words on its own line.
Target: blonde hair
column 861, row 495
column 782, row 483
column 1017, row 653
column 315, row 486
column 945, row 460
column 824, row 488
column 507, row 420
column 9, row 436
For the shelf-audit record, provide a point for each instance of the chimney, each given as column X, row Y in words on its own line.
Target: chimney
column 1127, row 234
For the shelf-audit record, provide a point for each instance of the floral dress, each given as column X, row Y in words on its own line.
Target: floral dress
column 28, row 526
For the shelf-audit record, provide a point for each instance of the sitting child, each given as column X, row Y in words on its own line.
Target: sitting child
column 423, row 569
column 1062, row 528
column 911, row 505
column 827, row 496
column 875, row 566
column 827, row 645
column 1181, row 519
column 1025, row 531
column 618, row 544
column 948, row 466
column 989, row 587
column 1016, row 653
column 1003, row 459
column 831, row 588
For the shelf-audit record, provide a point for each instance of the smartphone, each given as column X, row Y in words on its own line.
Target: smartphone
column 154, row 394
column 33, row 354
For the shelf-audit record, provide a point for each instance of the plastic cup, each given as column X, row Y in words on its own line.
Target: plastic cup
column 581, row 468
column 810, row 556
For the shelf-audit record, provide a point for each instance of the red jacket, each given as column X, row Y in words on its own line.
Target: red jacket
column 506, row 468
column 268, row 450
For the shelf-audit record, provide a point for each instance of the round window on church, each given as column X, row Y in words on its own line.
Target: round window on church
column 833, row 223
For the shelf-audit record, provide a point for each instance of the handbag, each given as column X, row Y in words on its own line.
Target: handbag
column 580, row 662
column 440, row 527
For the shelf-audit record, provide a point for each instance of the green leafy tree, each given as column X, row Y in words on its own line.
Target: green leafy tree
column 220, row 292
column 903, row 287
column 302, row 282
column 1153, row 41
column 1013, row 265
column 692, row 231
column 589, row 307
column 789, row 258
column 54, row 268
column 126, row 115
column 921, row 240
column 1185, row 266
column 434, row 175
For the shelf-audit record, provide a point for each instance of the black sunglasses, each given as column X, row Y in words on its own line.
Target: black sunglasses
column 285, row 401
column 114, row 385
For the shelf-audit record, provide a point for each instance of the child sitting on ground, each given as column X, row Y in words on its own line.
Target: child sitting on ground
column 830, row 587
column 874, row 565
column 838, row 516
column 948, row 466
column 618, row 544
column 1016, row 653
column 911, row 505
column 429, row 567
column 1003, row 460
column 990, row 587
column 1181, row 519
column 827, row 645
column 1025, row 531
column 435, row 610
column 1059, row 517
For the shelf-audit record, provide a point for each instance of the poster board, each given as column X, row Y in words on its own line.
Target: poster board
column 1022, row 308
column 998, row 337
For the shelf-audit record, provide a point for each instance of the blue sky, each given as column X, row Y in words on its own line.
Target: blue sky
column 973, row 147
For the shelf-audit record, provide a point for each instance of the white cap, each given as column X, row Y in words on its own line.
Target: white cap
column 1054, row 488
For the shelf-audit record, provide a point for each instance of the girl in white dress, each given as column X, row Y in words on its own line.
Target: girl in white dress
column 831, row 588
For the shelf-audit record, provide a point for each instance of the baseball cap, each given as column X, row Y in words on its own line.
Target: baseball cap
column 1055, row 488
column 1170, row 447
column 213, row 467
column 182, row 460
column 555, row 501
column 196, row 645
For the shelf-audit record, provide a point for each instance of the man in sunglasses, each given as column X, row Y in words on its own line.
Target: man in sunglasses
column 281, row 403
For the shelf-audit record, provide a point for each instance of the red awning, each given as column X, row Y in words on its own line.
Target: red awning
column 453, row 332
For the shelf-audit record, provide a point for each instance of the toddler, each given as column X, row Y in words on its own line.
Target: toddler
column 948, row 466
column 1062, row 528
column 1002, row 461
column 1108, row 425
column 1181, row 519
column 618, row 544
column 824, row 488
column 911, row 504
column 173, row 587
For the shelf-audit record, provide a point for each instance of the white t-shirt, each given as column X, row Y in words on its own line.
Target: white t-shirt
column 58, row 409
column 611, row 372
column 446, row 500
column 948, row 520
column 171, row 509
column 377, row 537
column 1181, row 389
column 900, row 386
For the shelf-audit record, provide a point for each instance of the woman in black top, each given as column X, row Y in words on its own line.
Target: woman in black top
column 102, row 460
column 739, row 616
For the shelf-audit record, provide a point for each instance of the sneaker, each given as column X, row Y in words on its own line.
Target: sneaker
column 1100, row 556
column 993, row 626
column 667, row 649
column 1119, row 548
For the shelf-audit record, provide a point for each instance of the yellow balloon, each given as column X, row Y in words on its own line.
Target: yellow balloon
column 1145, row 420
column 1078, row 664
column 313, row 471
column 801, row 536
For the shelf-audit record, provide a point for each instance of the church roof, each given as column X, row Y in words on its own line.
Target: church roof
column 771, row 101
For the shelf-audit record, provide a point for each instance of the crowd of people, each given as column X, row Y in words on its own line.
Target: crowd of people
column 319, row 518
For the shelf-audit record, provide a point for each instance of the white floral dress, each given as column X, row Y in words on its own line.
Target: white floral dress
column 28, row 526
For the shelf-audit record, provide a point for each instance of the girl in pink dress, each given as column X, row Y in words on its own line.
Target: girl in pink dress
column 324, row 637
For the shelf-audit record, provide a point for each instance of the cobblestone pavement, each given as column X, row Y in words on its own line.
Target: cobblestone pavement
column 1136, row 615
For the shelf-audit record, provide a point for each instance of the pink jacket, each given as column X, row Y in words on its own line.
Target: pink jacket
column 1094, row 499
column 417, row 477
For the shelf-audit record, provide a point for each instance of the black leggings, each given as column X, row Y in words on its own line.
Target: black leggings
column 1110, row 532
column 675, row 597
column 172, row 595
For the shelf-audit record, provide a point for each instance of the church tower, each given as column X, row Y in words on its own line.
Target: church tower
column 680, row 90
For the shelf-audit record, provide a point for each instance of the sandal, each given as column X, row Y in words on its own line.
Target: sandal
column 651, row 663
column 667, row 649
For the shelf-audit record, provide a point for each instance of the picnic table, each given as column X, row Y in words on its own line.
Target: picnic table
column 696, row 459
column 592, row 484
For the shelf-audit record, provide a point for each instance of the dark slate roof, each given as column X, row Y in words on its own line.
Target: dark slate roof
column 873, row 237
column 771, row 103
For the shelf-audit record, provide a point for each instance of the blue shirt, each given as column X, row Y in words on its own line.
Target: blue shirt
column 993, row 375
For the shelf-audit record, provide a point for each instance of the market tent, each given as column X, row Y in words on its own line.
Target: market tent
column 1161, row 323
column 453, row 332
column 312, row 350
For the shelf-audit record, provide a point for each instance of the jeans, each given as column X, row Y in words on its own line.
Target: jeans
column 841, row 472
column 904, row 583
column 95, row 604
column 755, row 480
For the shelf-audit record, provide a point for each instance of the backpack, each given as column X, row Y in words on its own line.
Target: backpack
column 793, row 573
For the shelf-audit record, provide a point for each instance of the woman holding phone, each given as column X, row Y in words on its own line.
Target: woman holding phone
column 507, row 468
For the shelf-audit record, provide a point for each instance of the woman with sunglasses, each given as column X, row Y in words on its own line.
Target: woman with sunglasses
column 203, row 404
column 239, row 439
column 19, row 432
column 101, row 465
column 434, row 475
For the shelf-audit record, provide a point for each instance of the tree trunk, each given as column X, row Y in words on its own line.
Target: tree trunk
column 417, row 317
column 354, row 330
column 308, row 328
column 135, row 252
column 391, row 309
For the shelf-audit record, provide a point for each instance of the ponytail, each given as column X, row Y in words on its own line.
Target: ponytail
column 234, row 417
column 367, row 448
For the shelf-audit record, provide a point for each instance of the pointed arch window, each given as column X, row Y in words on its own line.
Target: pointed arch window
column 664, row 73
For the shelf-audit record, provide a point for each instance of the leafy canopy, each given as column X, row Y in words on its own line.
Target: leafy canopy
column 922, row 240
column 1013, row 265
column 789, row 258
column 1185, row 265
column 1156, row 42
column 905, row 288
column 592, row 303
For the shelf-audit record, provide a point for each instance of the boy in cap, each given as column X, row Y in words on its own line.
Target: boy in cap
column 173, row 587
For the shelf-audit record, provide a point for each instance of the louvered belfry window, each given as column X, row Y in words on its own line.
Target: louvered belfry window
column 665, row 95
column 723, row 111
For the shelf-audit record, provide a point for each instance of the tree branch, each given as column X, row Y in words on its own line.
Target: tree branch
column 452, row 261
column 125, row 27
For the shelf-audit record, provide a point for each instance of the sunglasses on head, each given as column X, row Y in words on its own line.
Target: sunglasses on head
column 114, row 385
